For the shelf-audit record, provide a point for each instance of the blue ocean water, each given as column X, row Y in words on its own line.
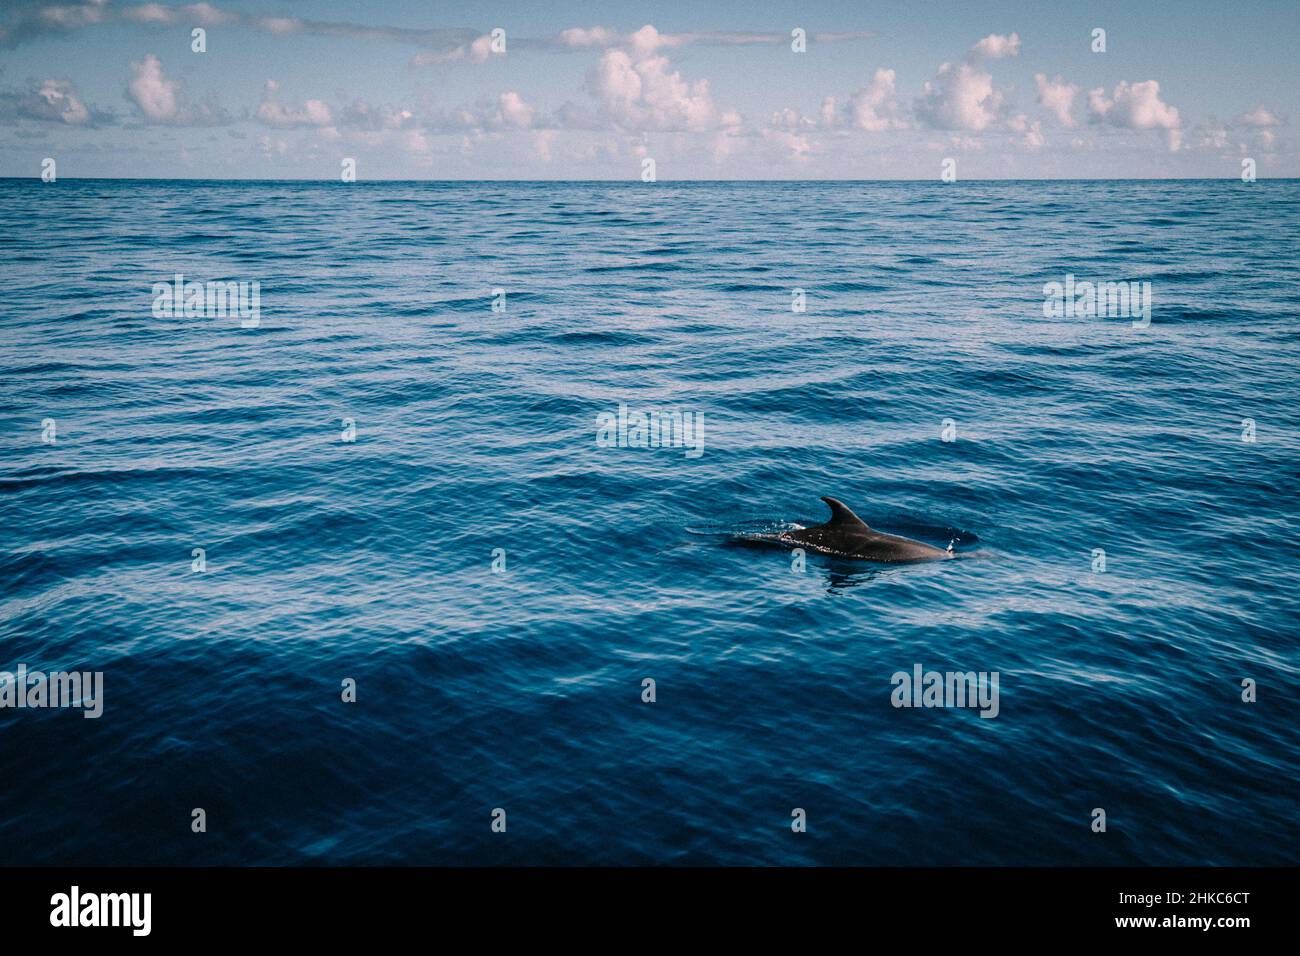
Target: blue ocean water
column 372, row 559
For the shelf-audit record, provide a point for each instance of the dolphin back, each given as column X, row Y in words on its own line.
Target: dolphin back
column 847, row 535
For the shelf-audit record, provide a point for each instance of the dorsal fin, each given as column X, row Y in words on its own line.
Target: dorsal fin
column 842, row 516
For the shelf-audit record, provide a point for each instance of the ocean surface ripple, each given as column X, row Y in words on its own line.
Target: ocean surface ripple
column 476, row 430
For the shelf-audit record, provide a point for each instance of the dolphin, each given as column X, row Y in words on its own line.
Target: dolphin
column 848, row 536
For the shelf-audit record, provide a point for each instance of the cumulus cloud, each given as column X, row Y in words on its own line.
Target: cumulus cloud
column 148, row 13
column 1211, row 135
column 995, row 47
column 1057, row 97
column 647, row 40
column 160, row 100
column 509, row 111
column 960, row 98
column 543, row 140
column 1260, row 117
column 795, row 145
column 1136, row 106
column 638, row 89
column 58, row 100
column 49, row 101
column 157, row 96
column 513, row 111
column 269, row 147
column 270, row 112
column 963, row 98
column 363, row 116
column 791, row 119
column 875, row 107
column 476, row 51
column 1033, row 136
column 830, row 111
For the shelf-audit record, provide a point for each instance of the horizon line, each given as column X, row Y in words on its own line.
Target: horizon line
column 927, row 179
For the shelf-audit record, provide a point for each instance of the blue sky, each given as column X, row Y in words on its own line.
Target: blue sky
column 289, row 88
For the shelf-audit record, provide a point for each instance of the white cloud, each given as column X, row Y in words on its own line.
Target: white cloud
column 1136, row 106
column 617, row 83
column 160, row 101
column 157, row 96
column 790, row 119
column 995, row 47
column 513, row 111
column 49, row 101
column 795, row 145
column 416, row 142
column 639, row 90
column 639, row 43
column 149, row 13
column 1212, row 135
column 476, row 51
column 829, row 111
column 875, row 107
column 1057, row 97
column 960, row 98
column 509, row 111
column 206, row 15
column 199, row 14
column 41, row 19
column 56, row 100
column 272, row 113
column 73, row 15
column 1033, row 138
column 963, row 97
column 646, row 40
column 580, row 37
column 362, row 115
column 1260, row 117
column 543, row 140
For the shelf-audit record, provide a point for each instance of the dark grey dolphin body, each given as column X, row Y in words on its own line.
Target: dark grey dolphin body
column 847, row 536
